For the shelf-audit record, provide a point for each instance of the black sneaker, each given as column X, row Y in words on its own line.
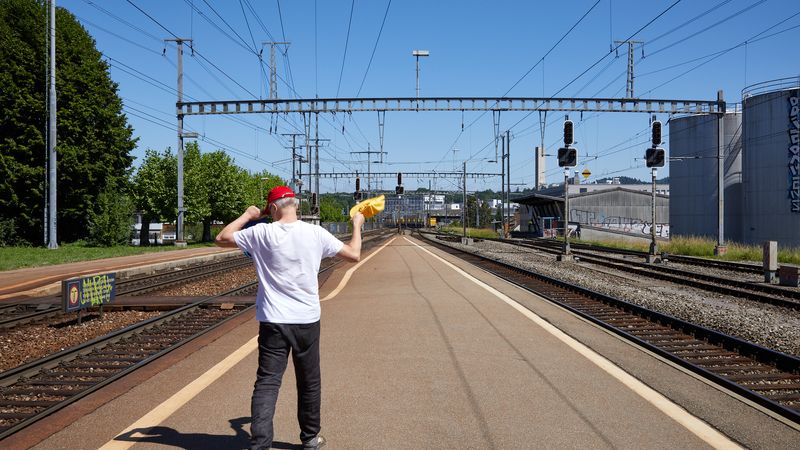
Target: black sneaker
column 317, row 442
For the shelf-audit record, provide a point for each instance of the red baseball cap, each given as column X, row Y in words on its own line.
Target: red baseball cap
column 279, row 192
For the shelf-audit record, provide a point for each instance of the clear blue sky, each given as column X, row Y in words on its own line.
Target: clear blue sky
column 477, row 48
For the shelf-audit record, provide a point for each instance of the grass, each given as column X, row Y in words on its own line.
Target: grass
column 471, row 232
column 704, row 247
column 20, row 257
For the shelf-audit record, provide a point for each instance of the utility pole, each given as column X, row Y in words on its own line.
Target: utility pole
column 508, row 180
column 721, row 248
column 369, row 154
column 52, row 239
column 464, row 209
column 273, row 71
column 315, row 206
column 629, row 85
column 502, row 185
column 179, row 241
column 294, row 179
column 417, row 54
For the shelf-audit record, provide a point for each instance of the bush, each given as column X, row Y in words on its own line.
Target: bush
column 8, row 234
column 110, row 222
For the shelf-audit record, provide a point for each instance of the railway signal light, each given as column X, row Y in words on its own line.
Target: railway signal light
column 358, row 184
column 357, row 196
column 655, row 157
column 357, row 193
column 655, row 128
column 399, row 189
column 568, row 133
column 567, row 157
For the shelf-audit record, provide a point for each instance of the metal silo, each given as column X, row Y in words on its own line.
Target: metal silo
column 771, row 162
column 693, row 175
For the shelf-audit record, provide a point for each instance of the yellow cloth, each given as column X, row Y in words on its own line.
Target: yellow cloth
column 368, row 207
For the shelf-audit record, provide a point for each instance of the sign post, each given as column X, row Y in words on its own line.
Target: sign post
column 85, row 292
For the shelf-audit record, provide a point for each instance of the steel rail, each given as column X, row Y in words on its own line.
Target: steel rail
column 128, row 286
column 750, row 371
column 761, row 293
column 732, row 266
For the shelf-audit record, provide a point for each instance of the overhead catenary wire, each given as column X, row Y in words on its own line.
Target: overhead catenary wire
column 346, row 42
column 374, row 47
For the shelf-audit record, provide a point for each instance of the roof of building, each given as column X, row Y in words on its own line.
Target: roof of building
column 550, row 195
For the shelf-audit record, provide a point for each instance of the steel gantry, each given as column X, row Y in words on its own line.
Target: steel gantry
column 495, row 104
column 470, row 175
column 347, row 105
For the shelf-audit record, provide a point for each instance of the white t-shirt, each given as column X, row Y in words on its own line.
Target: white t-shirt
column 287, row 258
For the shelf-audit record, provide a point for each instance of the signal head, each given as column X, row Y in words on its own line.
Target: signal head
column 568, row 133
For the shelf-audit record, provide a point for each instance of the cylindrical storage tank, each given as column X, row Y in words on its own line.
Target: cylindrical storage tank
column 693, row 173
column 771, row 163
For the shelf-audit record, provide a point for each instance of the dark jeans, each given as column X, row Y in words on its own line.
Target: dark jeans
column 274, row 342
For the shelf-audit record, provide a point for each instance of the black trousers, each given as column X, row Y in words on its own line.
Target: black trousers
column 275, row 341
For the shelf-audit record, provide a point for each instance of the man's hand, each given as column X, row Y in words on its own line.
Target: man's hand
column 358, row 220
column 253, row 213
column 225, row 237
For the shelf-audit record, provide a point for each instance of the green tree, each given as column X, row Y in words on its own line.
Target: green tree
column 155, row 190
column 111, row 219
column 330, row 210
column 94, row 139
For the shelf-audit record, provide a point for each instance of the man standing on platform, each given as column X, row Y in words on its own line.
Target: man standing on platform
column 287, row 254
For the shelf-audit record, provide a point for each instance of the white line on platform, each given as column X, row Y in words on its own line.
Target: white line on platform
column 350, row 271
column 180, row 398
column 692, row 423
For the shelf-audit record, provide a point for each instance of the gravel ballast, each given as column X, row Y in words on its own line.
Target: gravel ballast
column 213, row 285
column 30, row 342
column 770, row 326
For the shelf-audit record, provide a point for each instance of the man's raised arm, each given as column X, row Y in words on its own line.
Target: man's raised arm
column 225, row 237
column 352, row 250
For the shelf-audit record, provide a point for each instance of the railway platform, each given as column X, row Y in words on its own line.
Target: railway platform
column 421, row 350
column 46, row 280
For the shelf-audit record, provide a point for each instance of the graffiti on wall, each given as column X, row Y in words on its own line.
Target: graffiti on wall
column 616, row 223
column 794, row 151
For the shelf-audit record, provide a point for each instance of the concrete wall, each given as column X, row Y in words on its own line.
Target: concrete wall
column 619, row 210
column 693, row 180
column 770, row 178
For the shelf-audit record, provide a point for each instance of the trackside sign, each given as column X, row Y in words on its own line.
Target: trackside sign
column 85, row 292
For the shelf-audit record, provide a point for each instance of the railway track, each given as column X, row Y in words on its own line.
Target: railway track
column 764, row 293
column 732, row 266
column 764, row 376
column 23, row 312
column 37, row 389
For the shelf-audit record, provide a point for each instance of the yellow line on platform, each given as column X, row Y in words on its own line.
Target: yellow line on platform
column 129, row 436
column 692, row 423
column 350, row 271
column 180, row 398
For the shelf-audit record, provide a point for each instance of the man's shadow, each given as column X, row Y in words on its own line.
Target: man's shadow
column 191, row 441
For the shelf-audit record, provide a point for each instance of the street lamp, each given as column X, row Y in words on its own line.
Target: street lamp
column 417, row 54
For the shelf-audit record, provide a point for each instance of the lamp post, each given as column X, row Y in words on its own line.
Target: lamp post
column 417, row 54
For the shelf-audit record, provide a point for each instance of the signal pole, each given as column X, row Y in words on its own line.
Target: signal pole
column 52, row 239
column 179, row 241
column 369, row 154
